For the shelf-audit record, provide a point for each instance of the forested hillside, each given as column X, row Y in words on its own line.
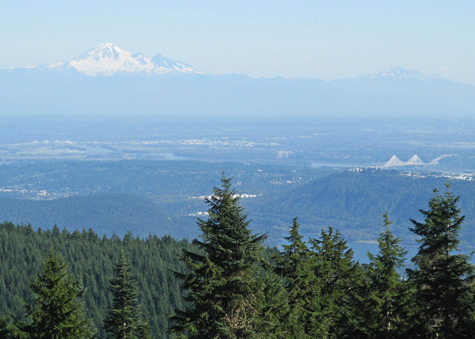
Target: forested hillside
column 91, row 259
column 157, row 198
column 353, row 201
column 104, row 213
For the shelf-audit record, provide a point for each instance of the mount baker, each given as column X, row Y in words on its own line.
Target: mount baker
column 108, row 59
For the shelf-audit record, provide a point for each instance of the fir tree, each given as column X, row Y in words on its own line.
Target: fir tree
column 123, row 319
column 273, row 314
column 56, row 312
column 5, row 332
column 294, row 265
column 221, row 280
column 386, row 288
column 443, row 278
column 339, row 285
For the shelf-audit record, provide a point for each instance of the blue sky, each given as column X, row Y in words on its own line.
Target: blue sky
column 317, row 39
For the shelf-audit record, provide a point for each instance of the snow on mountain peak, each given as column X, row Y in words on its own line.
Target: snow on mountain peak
column 399, row 73
column 108, row 59
column 107, row 50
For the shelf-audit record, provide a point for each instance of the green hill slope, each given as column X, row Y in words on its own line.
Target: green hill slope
column 354, row 202
column 105, row 214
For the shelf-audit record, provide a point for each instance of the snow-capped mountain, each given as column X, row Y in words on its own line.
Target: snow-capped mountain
column 399, row 73
column 64, row 89
column 108, row 59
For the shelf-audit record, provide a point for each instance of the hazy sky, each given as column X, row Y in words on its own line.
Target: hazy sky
column 318, row 39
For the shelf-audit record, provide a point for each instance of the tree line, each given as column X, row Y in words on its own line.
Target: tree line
column 91, row 259
column 228, row 285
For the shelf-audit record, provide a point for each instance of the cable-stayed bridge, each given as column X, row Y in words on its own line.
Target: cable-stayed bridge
column 415, row 160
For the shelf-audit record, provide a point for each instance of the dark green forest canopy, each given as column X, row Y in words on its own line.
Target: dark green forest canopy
column 92, row 259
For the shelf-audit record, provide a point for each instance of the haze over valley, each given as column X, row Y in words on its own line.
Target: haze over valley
column 151, row 173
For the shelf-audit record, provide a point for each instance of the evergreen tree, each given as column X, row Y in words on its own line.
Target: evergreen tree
column 273, row 314
column 123, row 319
column 294, row 265
column 386, row 288
column 221, row 280
column 56, row 312
column 338, row 288
column 5, row 332
column 443, row 278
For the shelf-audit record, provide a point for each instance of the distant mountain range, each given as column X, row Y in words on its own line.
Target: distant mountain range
column 108, row 59
column 110, row 80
